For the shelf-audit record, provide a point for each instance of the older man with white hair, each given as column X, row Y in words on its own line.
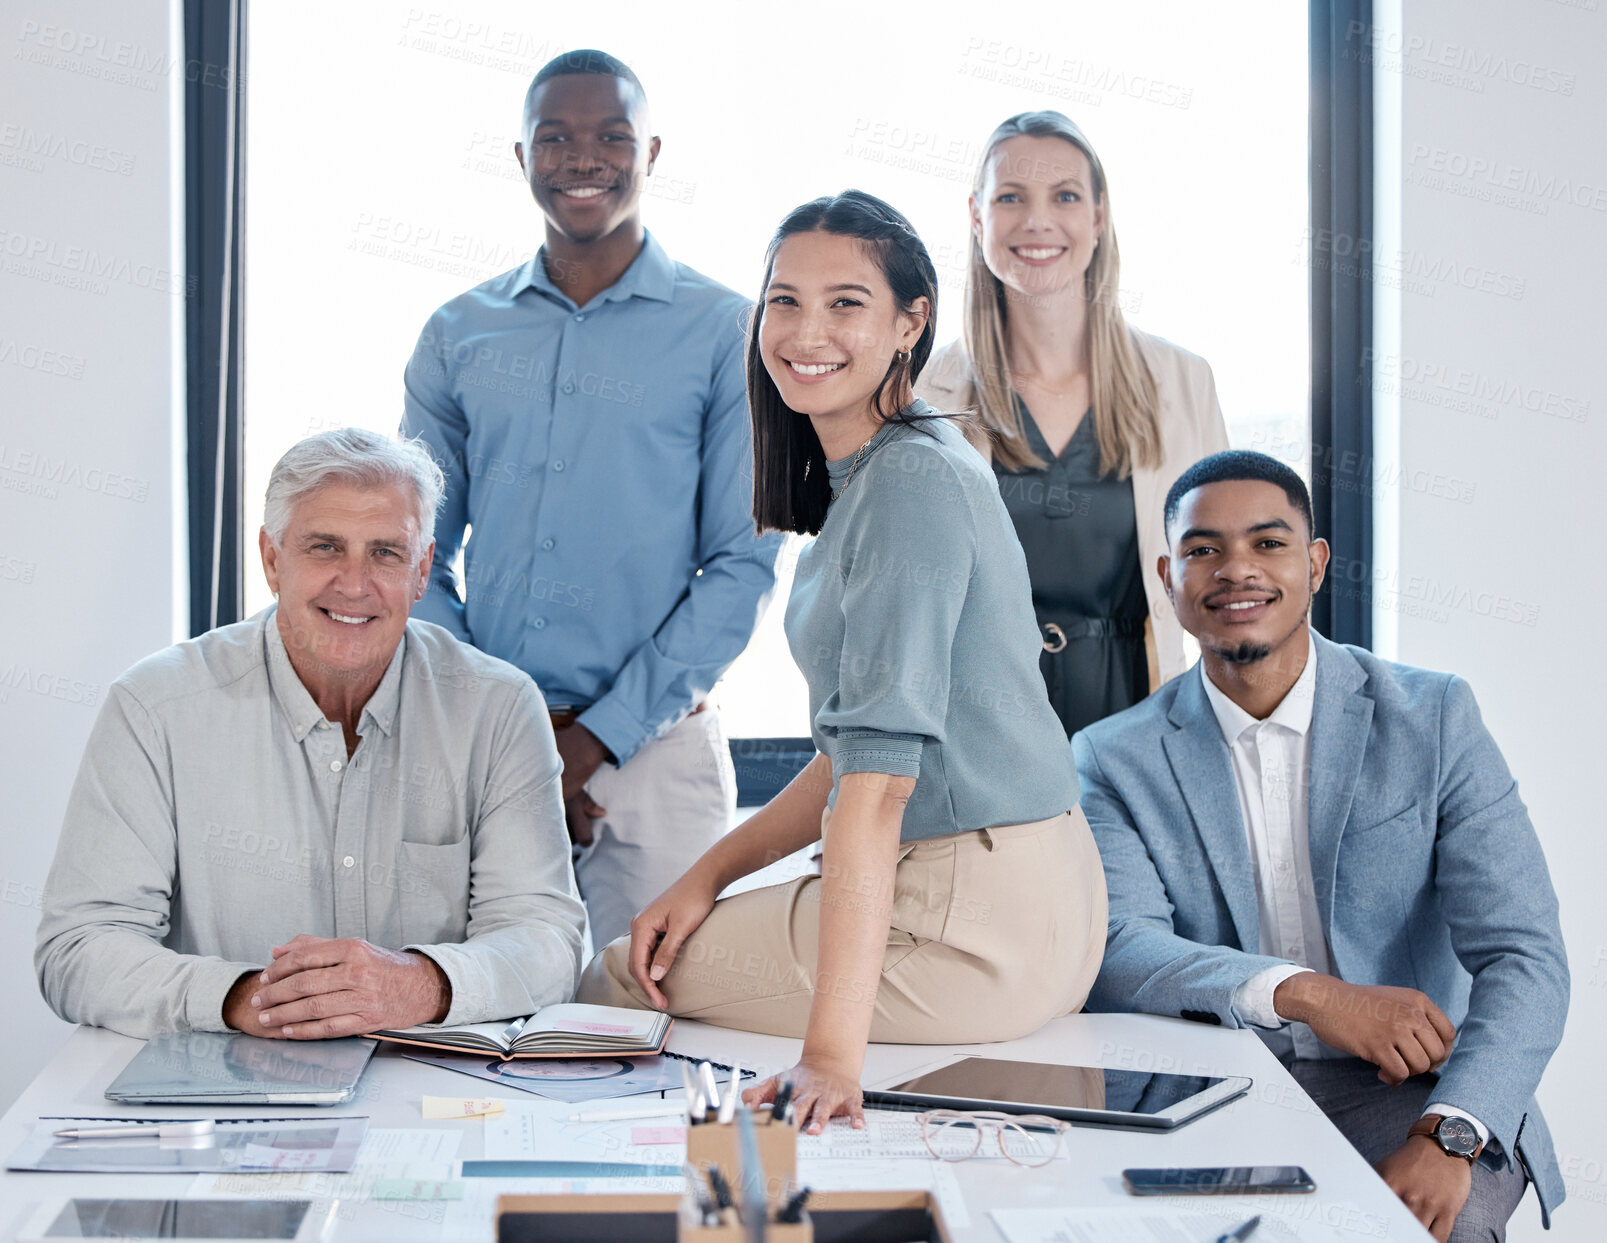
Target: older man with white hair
column 327, row 819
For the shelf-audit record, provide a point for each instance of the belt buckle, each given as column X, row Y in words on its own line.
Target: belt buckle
column 1059, row 645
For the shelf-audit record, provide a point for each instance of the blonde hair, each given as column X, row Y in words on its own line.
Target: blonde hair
column 1122, row 390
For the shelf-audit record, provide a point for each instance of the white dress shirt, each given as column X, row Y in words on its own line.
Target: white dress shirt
column 1272, row 769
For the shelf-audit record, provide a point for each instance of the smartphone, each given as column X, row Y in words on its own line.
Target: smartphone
column 1218, row 1180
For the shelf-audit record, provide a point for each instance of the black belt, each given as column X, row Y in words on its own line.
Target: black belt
column 1062, row 631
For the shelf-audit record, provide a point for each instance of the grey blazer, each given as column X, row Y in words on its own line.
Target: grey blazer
column 1428, row 874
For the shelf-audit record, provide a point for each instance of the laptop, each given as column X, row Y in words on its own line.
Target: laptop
column 231, row 1068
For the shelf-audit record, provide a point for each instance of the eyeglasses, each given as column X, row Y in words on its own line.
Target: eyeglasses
column 1027, row 1139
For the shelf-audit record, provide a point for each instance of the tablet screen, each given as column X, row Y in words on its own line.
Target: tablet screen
column 1058, row 1087
column 179, row 1219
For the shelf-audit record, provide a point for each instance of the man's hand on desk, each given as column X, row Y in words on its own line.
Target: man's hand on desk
column 582, row 755
column 318, row 987
column 1430, row 1181
column 1399, row 1030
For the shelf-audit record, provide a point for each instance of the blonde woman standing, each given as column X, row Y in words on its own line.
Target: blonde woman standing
column 1088, row 420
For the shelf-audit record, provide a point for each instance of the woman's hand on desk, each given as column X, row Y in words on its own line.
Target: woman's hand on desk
column 658, row 932
column 820, row 1091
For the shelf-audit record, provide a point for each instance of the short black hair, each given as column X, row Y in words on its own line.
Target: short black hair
column 584, row 60
column 1234, row 464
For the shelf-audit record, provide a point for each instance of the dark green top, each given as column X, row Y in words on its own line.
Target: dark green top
column 1080, row 535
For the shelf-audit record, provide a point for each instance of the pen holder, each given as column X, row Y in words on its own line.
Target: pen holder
column 717, row 1144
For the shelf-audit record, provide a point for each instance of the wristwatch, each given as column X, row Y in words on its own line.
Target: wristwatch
column 1457, row 1137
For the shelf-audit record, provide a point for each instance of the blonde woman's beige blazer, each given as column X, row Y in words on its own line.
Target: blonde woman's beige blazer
column 1191, row 428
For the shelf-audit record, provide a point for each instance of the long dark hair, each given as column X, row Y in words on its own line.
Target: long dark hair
column 790, row 487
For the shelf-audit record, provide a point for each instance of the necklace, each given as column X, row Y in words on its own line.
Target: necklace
column 852, row 467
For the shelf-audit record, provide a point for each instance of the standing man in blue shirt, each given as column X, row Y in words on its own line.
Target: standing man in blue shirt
column 588, row 409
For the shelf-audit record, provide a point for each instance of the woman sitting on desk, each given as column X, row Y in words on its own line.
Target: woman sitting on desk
column 1088, row 421
column 961, row 897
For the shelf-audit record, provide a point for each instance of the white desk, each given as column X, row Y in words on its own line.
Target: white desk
column 1276, row 1124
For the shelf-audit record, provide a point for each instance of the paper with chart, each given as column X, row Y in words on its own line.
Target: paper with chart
column 329, row 1143
column 541, row 1131
column 1164, row 1223
column 890, row 1174
column 422, row 1155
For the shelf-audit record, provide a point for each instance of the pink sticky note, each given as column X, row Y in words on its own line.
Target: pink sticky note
column 599, row 1029
column 644, row 1135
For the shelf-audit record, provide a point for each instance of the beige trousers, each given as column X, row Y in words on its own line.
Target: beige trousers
column 671, row 801
column 994, row 933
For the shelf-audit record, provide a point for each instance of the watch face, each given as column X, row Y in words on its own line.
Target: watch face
column 1457, row 1136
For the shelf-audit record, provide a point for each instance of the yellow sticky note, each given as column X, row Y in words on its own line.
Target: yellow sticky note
column 438, row 1107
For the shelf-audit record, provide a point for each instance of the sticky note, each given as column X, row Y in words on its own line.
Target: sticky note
column 658, row 1135
column 439, row 1107
column 417, row 1189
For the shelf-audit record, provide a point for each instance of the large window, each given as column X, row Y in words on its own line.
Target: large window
column 381, row 181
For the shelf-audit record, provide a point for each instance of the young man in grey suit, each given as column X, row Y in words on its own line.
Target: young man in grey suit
column 1301, row 838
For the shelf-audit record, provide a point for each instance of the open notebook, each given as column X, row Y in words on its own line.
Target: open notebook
column 567, row 1030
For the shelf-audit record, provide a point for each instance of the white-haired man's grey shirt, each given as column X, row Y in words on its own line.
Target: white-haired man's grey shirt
column 216, row 814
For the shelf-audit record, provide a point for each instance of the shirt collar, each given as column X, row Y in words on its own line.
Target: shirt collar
column 1293, row 713
column 650, row 275
column 297, row 703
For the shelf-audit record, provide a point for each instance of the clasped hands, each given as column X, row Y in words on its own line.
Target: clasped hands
column 1403, row 1033
column 321, row 987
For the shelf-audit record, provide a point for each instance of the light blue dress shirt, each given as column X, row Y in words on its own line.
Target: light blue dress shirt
column 602, row 458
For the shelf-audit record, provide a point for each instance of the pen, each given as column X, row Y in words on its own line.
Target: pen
column 752, row 1171
column 167, row 1130
column 721, row 1188
column 792, row 1212
column 694, row 1098
column 711, row 1090
column 1242, row 1233
column 706, row 1208
column 728, row 1106
column 778, row 1107
column 667, row 1110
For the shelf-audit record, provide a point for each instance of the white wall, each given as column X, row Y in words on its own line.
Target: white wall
column 1500, row 272
column 91, row 444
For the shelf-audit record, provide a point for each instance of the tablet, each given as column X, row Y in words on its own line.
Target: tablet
column 1088, row 1094
column 181, row 1221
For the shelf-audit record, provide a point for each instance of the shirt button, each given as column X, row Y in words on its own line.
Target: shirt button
column 349, row 861
column 580, row 318
column 335, row 766
column 569, row 388
column 547, row 543
column 558, row 465
column 540, row 623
